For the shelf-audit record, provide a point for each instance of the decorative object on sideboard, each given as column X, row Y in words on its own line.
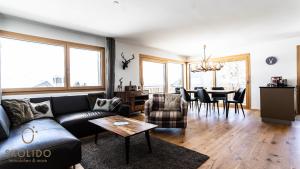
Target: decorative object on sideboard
column 271, row 60
column 120, row 86
column 126, row 62
column 278, row 81
column 131, row 87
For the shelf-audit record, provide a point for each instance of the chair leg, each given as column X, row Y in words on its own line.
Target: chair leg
column 209, row 108
column 218, row 108
column 242, row 109
column 227, row 109
column 235, row 108
column 206, row 109
column 238, row 110
column 200, row 105
column 224, row 106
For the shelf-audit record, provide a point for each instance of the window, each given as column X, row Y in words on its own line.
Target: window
column 175, row 76
column 34, row 64
column 160, row 75
column 154, row 78
column 31, row 65
column 201, row 79
column 85, row 68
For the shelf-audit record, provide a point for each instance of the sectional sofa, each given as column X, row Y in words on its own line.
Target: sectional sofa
column 56, row 138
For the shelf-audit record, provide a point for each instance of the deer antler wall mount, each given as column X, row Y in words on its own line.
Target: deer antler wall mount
column 125, row 62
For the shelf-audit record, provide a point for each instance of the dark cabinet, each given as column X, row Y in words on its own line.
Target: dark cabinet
column 277, row 104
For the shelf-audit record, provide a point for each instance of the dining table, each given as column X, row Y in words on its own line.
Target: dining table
column 210, row 91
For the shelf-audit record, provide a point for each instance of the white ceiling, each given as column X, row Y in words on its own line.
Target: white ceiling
column 179, row 26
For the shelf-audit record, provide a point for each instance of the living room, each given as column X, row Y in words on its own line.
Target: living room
column 149, row 84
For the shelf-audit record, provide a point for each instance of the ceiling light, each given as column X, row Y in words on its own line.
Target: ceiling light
column 116, row 2
column 206, row 64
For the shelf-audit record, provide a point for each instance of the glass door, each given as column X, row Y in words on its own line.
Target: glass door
column 154, row 77
column 175, row 76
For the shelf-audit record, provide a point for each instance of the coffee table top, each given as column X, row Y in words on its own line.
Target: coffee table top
column 132, row 128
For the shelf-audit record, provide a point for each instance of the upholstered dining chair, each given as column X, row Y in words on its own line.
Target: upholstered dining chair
column 219, row 97
column 166, row 111
column 238, row 98
column 185, row 95
column 197, row 97
column 204, row 98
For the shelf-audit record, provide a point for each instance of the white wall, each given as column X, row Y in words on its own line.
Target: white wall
column 286, row 53
column 13, row 24
column 132, row 72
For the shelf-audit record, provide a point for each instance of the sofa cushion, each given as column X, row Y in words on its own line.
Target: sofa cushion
column 69, row 104
column 4, row 124
column 18, row 111
column 42, row 109
column 92, row 97
column 48, row 136
column 102, row 105
column 80, row 117
column 165, row 116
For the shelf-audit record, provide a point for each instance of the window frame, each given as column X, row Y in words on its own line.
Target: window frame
column 164, row 61
column 66, row 45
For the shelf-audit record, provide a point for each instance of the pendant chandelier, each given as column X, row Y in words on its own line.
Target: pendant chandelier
column 206, row 64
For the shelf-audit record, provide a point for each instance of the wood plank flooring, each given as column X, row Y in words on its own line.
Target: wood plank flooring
column 237, row 142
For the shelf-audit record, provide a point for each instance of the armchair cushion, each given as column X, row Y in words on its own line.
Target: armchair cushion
column 172, row 102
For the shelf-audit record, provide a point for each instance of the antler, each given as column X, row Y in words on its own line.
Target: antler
column 122, row 54
column 131, row 58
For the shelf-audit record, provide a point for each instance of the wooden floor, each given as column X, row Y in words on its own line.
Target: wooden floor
column 237, row 142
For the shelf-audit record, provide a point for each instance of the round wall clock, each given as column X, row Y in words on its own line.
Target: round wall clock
column 271, row 60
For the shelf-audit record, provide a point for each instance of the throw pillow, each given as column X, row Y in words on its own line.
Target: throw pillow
column 115, row 103
column 172, row 102
column 102, row 105
column 42, row 109
column 18, row 111
column 92, row 97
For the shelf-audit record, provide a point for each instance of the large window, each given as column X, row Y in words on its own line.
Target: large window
column 34, row 64
column 85, row 69
column 161, row 75
column 175, row 76
column 154, row 77
column 200, row 79
column 31, row 65
column 234, row 75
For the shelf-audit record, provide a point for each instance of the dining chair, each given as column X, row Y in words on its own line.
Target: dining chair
column 185, row 95
column 196, row 96
column 238, row 98
column 204, row 98
column 177, row 90
column 218, row 97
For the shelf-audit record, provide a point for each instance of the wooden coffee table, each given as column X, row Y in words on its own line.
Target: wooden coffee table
column 132, row 128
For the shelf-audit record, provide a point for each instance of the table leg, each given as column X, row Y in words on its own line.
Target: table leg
column 96, row 138
column 148, row 140
column 127, row 145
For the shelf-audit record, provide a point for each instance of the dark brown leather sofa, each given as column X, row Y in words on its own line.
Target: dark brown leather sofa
column 59, row 134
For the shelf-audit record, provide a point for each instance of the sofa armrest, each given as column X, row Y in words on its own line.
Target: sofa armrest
column 148, row 107
column 124, row 110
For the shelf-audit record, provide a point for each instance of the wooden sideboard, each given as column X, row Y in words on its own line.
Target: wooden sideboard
column 135, row 99
column 277, row 104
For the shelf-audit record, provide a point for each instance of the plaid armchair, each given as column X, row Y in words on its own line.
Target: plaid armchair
column 166, row 111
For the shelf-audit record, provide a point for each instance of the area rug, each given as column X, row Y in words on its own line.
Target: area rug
column 109, row 153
